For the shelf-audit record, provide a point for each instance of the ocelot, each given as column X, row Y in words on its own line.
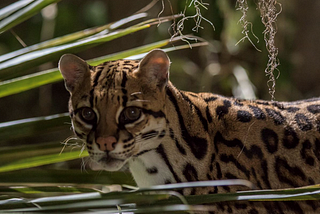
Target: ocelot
column 130, row 114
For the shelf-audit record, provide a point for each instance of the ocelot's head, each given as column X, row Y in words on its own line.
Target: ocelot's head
column 117, row 107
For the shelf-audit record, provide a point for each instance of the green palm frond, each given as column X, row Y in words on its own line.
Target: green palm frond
column 157, row 199
column 21, row 11
column 34, row 178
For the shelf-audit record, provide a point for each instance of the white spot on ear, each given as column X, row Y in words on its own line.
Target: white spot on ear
column 155, row 67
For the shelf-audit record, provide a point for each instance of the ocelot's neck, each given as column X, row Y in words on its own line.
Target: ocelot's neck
column 151, row 169
column 158, row 166
column 176, row 102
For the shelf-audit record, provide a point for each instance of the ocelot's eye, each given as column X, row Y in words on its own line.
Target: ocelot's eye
column 87, row 115
column 129, row 115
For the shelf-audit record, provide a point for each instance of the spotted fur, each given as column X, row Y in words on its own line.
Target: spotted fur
column 183, row 136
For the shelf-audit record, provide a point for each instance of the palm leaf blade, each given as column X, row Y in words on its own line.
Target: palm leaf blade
column 23, row 14
column 6, row 11
column 163, row 201
column 31, row 126
column 72, row 37
column 35, row 58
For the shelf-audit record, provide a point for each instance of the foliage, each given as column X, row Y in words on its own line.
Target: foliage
column 57, row 186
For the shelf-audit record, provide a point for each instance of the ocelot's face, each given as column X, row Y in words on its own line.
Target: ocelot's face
column 117, row 108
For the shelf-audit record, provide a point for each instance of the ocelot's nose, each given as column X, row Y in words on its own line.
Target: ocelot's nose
column 106, row 143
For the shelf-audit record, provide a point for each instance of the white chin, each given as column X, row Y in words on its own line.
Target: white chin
column 111, row 165
column 95, row 166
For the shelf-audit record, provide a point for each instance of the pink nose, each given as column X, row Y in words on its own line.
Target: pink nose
column 106, row 143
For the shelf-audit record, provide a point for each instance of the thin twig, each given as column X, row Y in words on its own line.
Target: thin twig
column 18, row 38
column 179, row 27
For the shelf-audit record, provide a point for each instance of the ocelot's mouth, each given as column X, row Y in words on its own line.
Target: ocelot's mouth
column 111, row 164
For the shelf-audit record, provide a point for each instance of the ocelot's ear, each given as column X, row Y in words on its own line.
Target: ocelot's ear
column 74, row 71
column 155, row 67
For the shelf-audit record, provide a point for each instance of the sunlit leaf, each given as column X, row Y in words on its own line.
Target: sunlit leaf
column 72, row 37
column 19, row 65
column 43, row 160
column 11, row 67
column 53, row 75
column 11, row 154
column 8, row 10
column 28, row 82
column 62, row 177
column 154, row 201
column 24, row 127
column 31, row 81
column 23, row 14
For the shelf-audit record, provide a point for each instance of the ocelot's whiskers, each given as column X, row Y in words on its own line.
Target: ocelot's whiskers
column 84, row 162
column 66, row 143
column 147, row 136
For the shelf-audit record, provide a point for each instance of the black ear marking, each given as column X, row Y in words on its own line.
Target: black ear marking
column 155, row 67
column 74, row 70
